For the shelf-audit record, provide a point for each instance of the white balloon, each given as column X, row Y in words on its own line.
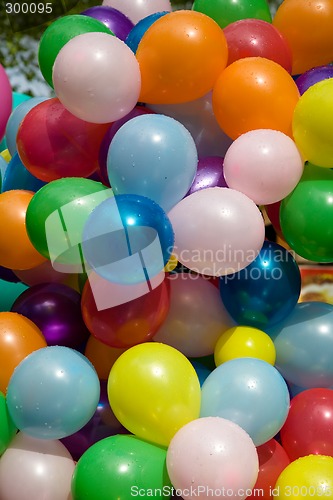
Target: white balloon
column 136, row 10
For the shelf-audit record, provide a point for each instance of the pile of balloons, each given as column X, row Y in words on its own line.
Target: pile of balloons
column 152, row 342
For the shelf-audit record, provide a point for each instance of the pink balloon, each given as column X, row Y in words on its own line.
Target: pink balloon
column 5, row 101
column 97, row 77
column 136, row 10
column 263, row 164
column 212, row 453
column 218, row 231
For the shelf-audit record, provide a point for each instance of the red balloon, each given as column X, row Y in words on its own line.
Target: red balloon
column 257, row 38
column 129, row 323
column 52, row 143
column 308, row 429
column 273, row 213
column 272, row 461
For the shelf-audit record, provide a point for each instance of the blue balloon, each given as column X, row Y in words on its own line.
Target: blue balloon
column 128, row 239
column 15, row 119
column 249, row 392
column 135, row 35
column 3, row 167
column 155, row 156
column 202, row 371
column 304, row 345
column 53, row 393
column 18, row 177
column 17, row 100
column 266, row 291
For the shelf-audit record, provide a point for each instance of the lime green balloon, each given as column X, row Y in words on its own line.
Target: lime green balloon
column 7, row 427
column 56, row 217
column 306, row 215
column 119, row 468
column 59, row 33
column 225, row 12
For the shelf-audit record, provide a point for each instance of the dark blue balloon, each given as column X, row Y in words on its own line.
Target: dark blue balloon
column 266, row 291
column 135, row 35
column 18, row 177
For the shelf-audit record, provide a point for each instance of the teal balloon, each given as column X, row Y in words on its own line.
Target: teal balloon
column 249, row 392
column 3, row 167
column 201, row 370
column 9, row 292
column 18, row 177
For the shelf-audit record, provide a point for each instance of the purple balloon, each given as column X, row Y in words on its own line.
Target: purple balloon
column 313, row 76
column 56, row 310
column 115, row 20
column 209, row 174
column 103, row 424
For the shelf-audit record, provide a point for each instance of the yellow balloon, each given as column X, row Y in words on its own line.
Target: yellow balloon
column 306, row 478
column 313, row 124
column 171, row 264
column 153, row 391
column 6, row 155
column 244, row 342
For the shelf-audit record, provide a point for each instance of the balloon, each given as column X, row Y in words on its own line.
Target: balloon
column 312, row 124
column 304, row 345
column 116, row 21
column 59, row 33
column 266, row 291
column 309, row 424
column 201, row 370
column 9, row 291
column 254, row 93
column 16, row 250
column 6, row 101
column 308, row 477
column 32, row 467
column 74, row 198
column 110, row 77
column 225, row 12
column 18, row 177
column 304, row 215
column 53, row 393
column 273, row 213
column 209, row 174
column 180, row 57
column 313, row 76
column 263, row 164
column 257, row 38
column 18, row 338
column 209, row 230
column 55, row 309
column 196, row 318
column 120, row 467
column 128, row 323
column 307, row 27
column 135, row 35
column 154, row 156
column 249, row 392
column 244, row 342
column 45, row 273
column 8, row 275
column 128, row 239
column 15, row 120
column 7, row 427
column 3, row 168
column 154, row 391
column 212, row 455
column 138, row 9
column 272, row 461
column 102, row 356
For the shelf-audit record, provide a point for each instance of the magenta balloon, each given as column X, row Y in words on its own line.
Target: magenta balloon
column 56, row 310
column 115, row 20
column 209, row 174
column 6, row 101
column 313, row 76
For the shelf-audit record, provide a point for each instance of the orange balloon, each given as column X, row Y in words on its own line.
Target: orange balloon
column 19, row 337
column 101, row 356
column 16, row 250
column 307, row 26
column 254, row 93
column 180, row 57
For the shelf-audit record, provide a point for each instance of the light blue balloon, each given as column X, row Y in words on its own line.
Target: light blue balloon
column 18, row 177
column 53, row 393
column 17, row 99
column 249, row 392
column 15, row 119
column 154, row 156
column 3, row 167
column 304, row 345
column 135, row 35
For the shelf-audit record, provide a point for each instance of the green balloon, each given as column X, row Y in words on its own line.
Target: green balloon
column 59, row 33
column 8, row 294
column 56, row 216
column 7, row 427
column 120, row 468
column 225, row 12
column 306, row 215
